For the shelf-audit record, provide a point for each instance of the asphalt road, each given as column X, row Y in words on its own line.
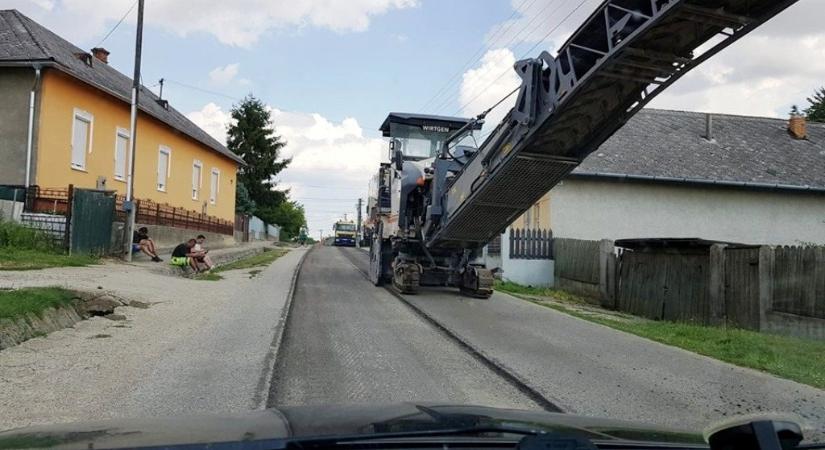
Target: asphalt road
column 348, row 342
column 593, row 370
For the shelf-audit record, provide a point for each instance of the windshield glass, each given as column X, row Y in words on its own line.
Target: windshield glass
column 416, row 143
column 410, row 215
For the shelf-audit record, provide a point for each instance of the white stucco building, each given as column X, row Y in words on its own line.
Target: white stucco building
column 676, row 174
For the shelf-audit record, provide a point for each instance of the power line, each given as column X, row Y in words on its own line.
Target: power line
column 510, row 42
column 206, row 91
column 552, row 30
column 117, row 24
column 477, row 55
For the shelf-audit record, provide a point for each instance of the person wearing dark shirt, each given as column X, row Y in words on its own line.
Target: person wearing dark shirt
column 184, row 255
column 141, row 241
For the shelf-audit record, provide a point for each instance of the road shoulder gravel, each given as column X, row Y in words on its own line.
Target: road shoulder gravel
column 201, row 347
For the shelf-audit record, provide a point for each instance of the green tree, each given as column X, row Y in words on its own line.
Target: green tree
column 289, row 215
column 252, row 137
column 243, row 202
column 816, row 112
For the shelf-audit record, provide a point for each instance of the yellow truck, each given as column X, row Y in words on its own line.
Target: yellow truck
column 344, row 233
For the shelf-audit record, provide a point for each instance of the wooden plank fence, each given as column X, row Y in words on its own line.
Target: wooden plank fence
column 531, row 244
column 799, row 281
column 663, row 286
column 577, row 259
column 762, row 288
column 742, row 287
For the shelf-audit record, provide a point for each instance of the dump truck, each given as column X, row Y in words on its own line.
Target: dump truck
column 344, row 233
column 441, row 197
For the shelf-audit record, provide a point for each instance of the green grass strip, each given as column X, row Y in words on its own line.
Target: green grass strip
column 17, row 303
column 28, row 259
column 264, row 258
column 800, row 360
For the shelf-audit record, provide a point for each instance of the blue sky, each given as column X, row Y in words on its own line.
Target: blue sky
column 332, row 69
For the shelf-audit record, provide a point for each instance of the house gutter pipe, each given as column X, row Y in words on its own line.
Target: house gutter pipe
column 30, row 133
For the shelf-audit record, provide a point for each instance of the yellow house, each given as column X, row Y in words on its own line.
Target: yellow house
column 537, row 217
column 78, row 129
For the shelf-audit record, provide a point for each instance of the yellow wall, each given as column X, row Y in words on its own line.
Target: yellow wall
column 539, row 215
column 62, row 94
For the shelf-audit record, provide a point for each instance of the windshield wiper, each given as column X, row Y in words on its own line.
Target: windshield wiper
column 332, row 441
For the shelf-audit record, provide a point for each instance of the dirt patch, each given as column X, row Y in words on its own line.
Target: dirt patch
column 578, row 307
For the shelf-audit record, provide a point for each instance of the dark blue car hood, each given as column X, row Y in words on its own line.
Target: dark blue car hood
column 306, row 421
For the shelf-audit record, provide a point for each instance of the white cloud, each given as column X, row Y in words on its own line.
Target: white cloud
column 332, row 162
column 763, row 75
column 483, row 86
column 534, row 20
column 779, row 64
column 237, row 22
column 213, row 119
column 221, row 76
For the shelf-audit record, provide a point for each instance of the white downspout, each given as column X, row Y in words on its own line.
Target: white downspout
column 31, row 126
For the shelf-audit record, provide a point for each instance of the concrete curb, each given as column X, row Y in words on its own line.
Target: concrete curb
column 263, row 393
column 493, row 364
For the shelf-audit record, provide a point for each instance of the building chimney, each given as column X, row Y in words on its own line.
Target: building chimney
column 101, row 54
column 797, row 126
column 709, row 126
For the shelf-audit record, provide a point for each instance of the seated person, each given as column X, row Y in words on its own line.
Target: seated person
column 203, row 256
column 141, row 241
column 184, row 255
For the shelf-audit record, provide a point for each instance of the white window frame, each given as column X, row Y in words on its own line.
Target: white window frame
column 90, row 118
column 122, row 133
column 196, row 190
column 213, row 196
column 168, row 151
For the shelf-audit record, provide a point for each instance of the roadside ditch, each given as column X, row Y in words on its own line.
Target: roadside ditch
column 81, row 305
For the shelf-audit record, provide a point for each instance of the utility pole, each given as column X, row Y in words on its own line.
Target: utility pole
column 129, row 205
column 358, row 226
column 321, row 236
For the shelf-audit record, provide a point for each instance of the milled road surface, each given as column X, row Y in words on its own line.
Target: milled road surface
column 201, row 348
column 349, row 342
column 594, row 370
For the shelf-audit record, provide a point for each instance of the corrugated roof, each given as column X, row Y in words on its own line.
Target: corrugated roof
column 23, row 40
column 671, row 145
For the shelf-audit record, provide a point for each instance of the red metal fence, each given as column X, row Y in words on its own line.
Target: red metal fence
column 47, row 200
column 56, row 200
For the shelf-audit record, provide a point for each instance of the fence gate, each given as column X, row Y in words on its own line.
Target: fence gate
column 90, row 221
column 742, row 287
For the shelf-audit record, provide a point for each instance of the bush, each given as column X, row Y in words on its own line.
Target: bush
column 16, row 236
